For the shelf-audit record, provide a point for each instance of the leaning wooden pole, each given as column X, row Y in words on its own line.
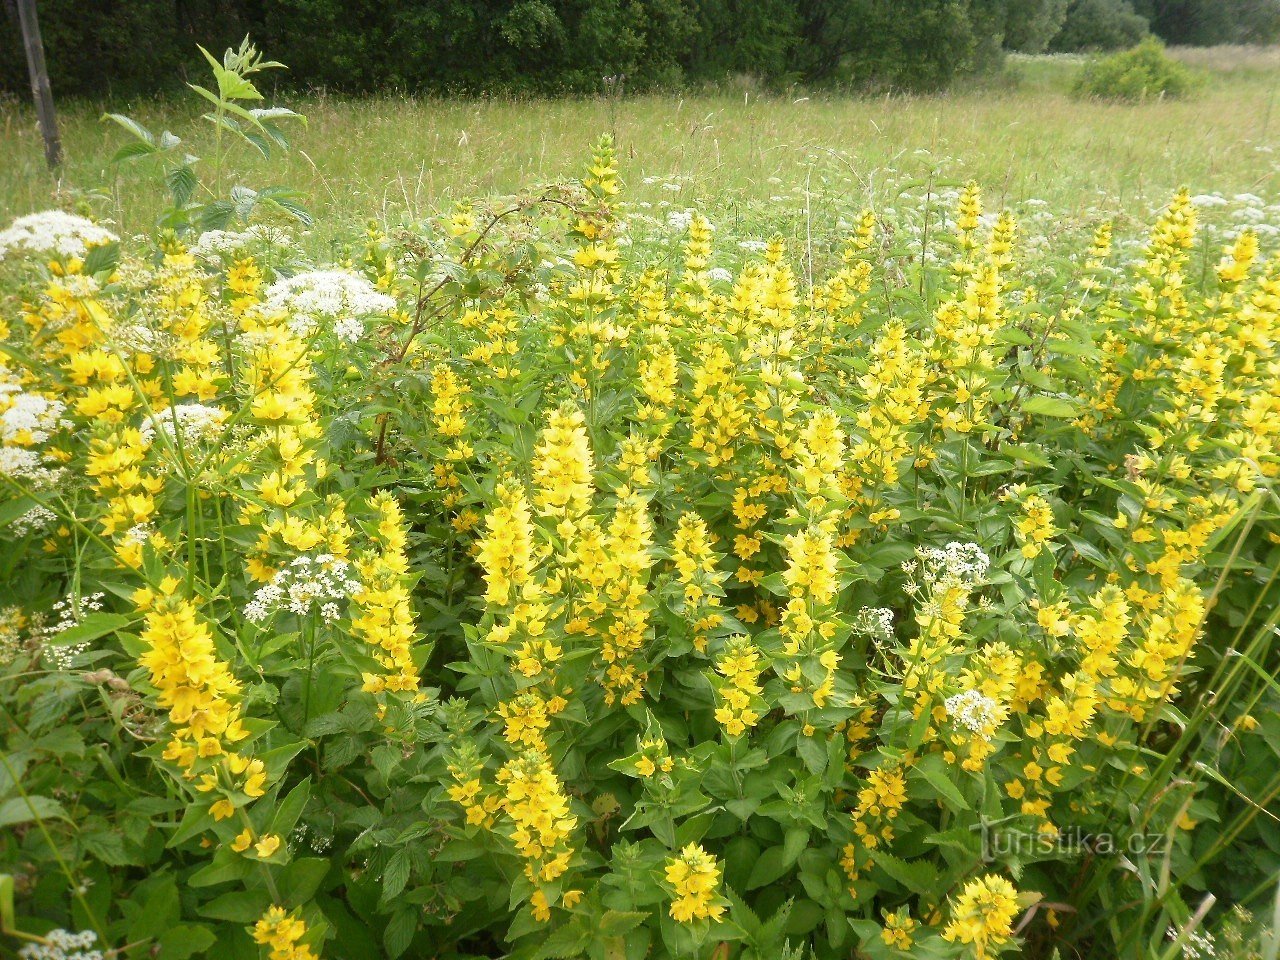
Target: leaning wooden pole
column 40, row 81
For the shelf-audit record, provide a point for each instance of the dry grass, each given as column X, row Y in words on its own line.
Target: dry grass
column 1231, row 58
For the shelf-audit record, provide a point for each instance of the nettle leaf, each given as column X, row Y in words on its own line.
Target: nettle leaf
column 396, row 875
column 182, row 183
column 102, row 258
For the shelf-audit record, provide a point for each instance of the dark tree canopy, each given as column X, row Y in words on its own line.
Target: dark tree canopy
column 124, row 47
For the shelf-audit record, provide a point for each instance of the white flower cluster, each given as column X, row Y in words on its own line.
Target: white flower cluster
column 874, row 622
column 69, row 613
column 338, row 296
column 216, row 244
column 27, row 466
column 29, row 418
column 53, row 231
column 35, row 520
column 193, row 422
column 679, row 220
column 963, row 562
column 63, row 945
column 308, row 582
column 974, row 711
column 753, row 246
column 1195, row 946
column 719, row 274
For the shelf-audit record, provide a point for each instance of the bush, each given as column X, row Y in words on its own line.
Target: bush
column 1099, row 25
column 1143, row 73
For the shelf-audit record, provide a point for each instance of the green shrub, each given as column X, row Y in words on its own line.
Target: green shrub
column 1141, row 73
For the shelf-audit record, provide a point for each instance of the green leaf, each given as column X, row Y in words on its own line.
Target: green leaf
column 92, row 627
column 27, row 809
column 132, row 150
column 102, row 258
column 938, row 775
column 771, row 865
column 182, row 183
column 1050, row 407
column 617, row 922
column 239, row 906
column 399, row 932
column 133, row 126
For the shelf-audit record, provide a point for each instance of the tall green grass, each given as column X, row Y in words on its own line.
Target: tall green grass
column 396, row 158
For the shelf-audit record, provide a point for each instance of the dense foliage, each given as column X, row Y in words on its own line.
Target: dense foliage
column 554, row 46
column 1145, row 72
column 1099, row 25
column 548, row 581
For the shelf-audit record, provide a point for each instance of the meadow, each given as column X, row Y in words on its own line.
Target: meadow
column 399, row 159
column 731, row 527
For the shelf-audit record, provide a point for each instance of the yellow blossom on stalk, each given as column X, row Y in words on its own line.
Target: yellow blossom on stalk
column 193, row 685
column 468, row 789
column 811, row 565
column 562, row 465
column 982, row 915
column 625, row 626
column 695, row 562
column 698, row 251
column 820, row 453
column 879, row 804
column 281, row 932
column 1035, row 527
column 740, row 665
column 507, row 551
column 383, row 613
column 448, row 405
column 694, row 877
column 969, row 215
column 898, row 929
column 540, row 823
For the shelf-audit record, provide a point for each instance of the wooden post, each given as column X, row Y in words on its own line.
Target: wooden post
column 40, row 82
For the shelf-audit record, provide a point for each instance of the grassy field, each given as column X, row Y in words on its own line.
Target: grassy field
column 1021, row 135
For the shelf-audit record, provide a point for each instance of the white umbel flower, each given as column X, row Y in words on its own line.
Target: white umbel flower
column 53, row 232
column 63, row 945
column 975, row 711
column 336, row 298
column 195, row 422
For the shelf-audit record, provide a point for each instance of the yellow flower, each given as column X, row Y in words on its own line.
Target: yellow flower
column 982, row 915
column 694, row 878
column 281, row 933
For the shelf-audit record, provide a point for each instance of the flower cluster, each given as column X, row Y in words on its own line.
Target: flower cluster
column 694, row 879
column 53, row 232
column 319, row 583
column 335, row 299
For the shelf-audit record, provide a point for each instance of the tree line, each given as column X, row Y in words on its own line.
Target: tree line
column 125, row 47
